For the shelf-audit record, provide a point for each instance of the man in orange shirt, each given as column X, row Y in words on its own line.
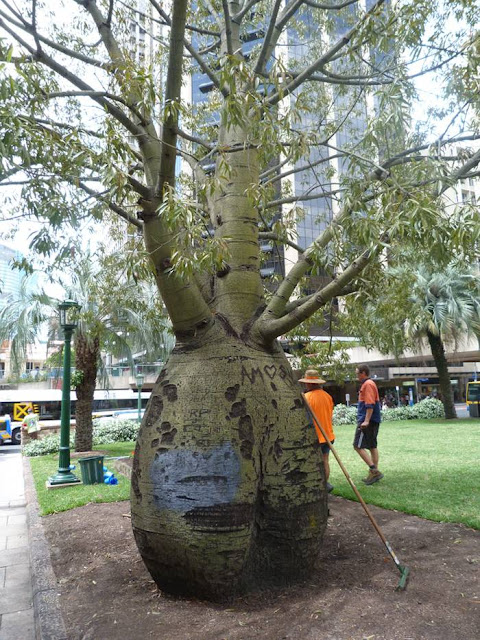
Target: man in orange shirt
column 321, row 404
column 368, row 423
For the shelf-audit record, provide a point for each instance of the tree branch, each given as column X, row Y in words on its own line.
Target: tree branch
column 262, row 56
column 173, row 88
column 273, row 328
column 111, row 205
column 195, row 139
column 275, row 30
column 24, row 26
column 328, row 7
column 117, row 113
column 301, row 198
column 324, row 59
column 228, row 26
column 188, row 27
column 201, row 63
column 269, row 235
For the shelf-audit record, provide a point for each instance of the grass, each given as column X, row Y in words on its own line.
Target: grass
column 56, row 500
column 431, row 469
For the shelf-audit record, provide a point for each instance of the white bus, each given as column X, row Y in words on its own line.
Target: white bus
column 47, row 402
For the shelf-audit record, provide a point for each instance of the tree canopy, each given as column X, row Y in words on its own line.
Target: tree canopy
column 90, row 124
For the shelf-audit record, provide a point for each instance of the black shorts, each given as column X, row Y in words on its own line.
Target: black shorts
column 324, row 447
column 366, row 438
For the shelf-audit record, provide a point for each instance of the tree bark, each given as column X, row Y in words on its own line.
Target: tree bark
column 438, row 352
column 87, row 353
column 228, row 484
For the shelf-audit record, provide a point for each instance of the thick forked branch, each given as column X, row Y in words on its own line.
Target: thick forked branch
column 274, row 31
column 172, row 98
column 191, row 50
column 228, row 26
column 271, row 329
column 186, row 305
column 266, row 47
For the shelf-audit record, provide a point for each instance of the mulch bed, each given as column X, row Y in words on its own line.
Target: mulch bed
column 107, row 593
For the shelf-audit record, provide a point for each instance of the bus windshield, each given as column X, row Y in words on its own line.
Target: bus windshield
column 473, row 392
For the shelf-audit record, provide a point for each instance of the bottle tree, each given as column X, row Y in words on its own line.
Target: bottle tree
column 227, row 485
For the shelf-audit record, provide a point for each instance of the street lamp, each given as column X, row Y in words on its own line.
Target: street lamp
column 140, row 380
column 68, row 310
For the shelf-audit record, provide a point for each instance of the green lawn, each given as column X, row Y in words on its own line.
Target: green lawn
column 55, row 500
column 431, row 467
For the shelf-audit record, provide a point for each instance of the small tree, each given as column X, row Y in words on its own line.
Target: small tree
column 116, row 317
column 414, row 302
column 446, row 307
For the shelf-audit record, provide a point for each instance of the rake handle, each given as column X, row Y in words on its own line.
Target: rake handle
column 351, row 483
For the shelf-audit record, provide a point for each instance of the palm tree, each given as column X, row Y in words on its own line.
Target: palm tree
column 118, row 318
column 446, row 306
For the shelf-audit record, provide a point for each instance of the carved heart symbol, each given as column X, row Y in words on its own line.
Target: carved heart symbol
column 270, row 370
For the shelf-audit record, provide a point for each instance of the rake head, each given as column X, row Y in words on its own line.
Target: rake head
column 404, row 571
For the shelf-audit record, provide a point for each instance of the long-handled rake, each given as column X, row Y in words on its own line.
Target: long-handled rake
column 404, row 571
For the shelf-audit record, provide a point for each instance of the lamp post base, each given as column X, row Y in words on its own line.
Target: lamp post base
column 63, row 479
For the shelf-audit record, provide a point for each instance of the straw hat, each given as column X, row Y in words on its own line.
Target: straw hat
column 312, row 377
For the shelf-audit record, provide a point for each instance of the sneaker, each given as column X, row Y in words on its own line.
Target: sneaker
column 374, row 475
column 329, row 487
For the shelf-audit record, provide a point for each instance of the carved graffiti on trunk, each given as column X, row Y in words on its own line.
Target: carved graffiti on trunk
column 271, row 372
column 228, row 517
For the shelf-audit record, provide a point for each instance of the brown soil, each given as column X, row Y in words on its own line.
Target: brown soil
column 107, row 593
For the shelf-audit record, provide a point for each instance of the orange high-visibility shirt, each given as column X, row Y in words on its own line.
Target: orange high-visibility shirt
column 321, row 403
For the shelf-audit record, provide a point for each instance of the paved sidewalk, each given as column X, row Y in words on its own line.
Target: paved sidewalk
column 16, row 596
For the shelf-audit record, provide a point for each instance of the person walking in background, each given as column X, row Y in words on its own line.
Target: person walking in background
column 31, row 424
column 368, row 423
column 321, row 404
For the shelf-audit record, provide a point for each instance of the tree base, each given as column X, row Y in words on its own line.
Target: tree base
column 228, row 482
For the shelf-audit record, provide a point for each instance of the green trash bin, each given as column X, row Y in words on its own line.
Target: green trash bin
column 92, row 469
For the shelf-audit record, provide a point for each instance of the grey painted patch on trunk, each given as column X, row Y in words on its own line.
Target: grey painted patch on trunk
column 184, row 479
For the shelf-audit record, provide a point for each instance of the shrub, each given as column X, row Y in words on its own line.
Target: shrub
column 48, row 444
column 429, row 408
column 107, row 433
column 423, row 410
column 398, row 413
column 114, row 431
column 344, row 415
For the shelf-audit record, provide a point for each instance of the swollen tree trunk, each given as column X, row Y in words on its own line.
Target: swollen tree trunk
column 228, row 482
column 87, row 353
column 438, row 352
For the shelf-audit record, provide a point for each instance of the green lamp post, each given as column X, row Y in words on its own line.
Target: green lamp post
column 140, row 380
column 68, row 311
